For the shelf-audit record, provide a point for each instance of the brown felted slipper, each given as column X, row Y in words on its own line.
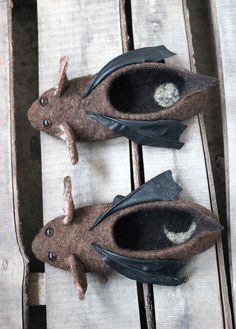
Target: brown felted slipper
column 134, row 96
column 146, row 236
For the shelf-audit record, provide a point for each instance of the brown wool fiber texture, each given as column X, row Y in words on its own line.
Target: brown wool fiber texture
column 76, row 238
column 71, row 108
column 127, row 93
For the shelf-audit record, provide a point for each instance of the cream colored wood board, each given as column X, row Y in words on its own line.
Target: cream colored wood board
column 89, row 33
column 196, row 304
column 224, row 16
column 36, row 289
column 11, row 262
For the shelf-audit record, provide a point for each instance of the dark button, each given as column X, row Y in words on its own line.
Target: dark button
column 43, row 101
column 49, row 232
column 46, row 123
column 52, row 256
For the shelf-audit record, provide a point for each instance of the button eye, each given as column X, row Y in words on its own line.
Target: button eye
column 46, row 123
column 43, row 101
column 49, row 232
column 52, row 256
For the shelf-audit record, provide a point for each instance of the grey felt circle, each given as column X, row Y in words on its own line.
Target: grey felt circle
column 167, row 94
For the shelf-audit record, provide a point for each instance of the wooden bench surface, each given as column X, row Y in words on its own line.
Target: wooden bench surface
column 91, row 33
column 197, row 303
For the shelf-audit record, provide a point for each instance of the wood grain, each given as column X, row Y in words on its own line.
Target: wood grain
column 223, row 16
column 36, row 289
column 224, row 289
column 11, row 262
column 146, row 302
column 196, row 304
column 89, row 33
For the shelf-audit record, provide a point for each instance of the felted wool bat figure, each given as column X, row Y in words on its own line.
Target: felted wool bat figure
column 146, row 236
column 134, row 95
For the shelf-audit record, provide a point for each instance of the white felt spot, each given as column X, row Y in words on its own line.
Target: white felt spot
column 180, row 237
column 167, row 94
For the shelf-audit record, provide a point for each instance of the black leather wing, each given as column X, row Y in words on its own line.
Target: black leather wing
column 160, row 188
column 142, row 55
column 153, row 271
column 161, row 133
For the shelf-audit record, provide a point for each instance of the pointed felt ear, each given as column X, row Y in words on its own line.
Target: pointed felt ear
column 62, row 82
column 79, row 276
column 68, row 203
column 66, row 133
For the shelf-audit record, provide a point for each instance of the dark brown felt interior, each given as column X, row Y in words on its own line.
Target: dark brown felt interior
column 144, row 230
column 133, row 91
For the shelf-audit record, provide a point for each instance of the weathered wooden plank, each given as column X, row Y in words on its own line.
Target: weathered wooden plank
column 226, row 307
column 11, row 262
column 145, row 290
column 36, row 289
column 89, row 33
column 223, row 16
column 155, row 22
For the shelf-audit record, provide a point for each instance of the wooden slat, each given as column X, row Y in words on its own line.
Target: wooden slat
column 89, row 33
column 144, row 290
column 36, row 289
column 226, row 307
column 224, row 15
column 11, row 262
column 196, row 304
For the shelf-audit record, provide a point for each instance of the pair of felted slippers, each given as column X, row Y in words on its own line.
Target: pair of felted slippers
column 148, row 235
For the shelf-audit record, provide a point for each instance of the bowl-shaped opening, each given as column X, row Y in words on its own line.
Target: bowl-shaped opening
column 145, row 90
column 154, row 229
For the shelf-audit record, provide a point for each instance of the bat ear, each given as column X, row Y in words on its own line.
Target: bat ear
column 66, row 133
column 79, row 276
column 62, row 81
column 68, row 203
